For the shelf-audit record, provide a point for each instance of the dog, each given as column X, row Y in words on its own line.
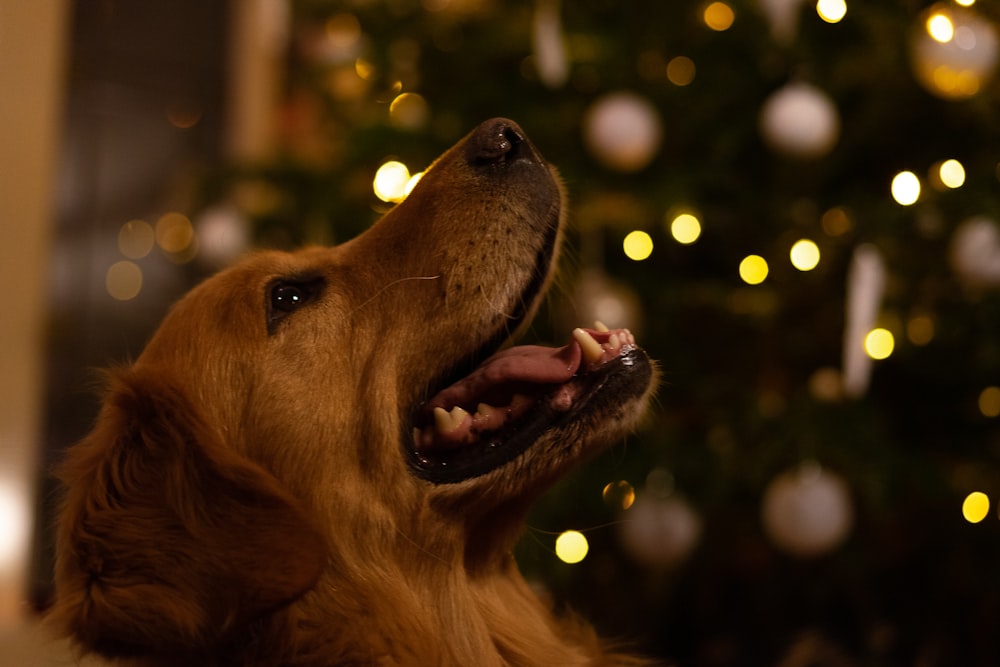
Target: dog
column 324, row 457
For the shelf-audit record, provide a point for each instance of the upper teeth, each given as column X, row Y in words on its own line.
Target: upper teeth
column 447, row 422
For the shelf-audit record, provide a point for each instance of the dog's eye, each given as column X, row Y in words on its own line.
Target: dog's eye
column 286, row 297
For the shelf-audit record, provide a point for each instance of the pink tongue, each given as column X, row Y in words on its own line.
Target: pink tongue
column 536, row 364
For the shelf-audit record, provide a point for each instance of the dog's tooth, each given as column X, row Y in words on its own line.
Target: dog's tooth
column 458, row 416
column 601, row 326
column 592, row 351
column 443, row 421
column 484, row 410
column 614, row 342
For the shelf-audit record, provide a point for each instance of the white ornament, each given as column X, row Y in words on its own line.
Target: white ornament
column 783, row 17
column 659, row 532
column 953, row 51
column 800, row 120
column 623, row 131
column 975, row 252
column 223, row 235
column 807, row 511
column 865, row 286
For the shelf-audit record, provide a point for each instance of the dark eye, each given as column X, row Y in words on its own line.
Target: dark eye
column 287, row 296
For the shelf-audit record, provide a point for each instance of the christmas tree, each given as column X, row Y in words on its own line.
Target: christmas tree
column 795, row 207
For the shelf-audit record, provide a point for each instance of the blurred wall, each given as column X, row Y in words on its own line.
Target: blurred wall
column 32, row 42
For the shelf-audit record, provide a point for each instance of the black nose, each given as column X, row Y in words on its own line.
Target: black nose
column 496, row 141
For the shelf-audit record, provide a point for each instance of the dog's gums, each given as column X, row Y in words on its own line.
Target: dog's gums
column 497, row 411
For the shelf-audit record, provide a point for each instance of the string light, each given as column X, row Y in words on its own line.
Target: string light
column 753, row 269
column 831, row 11
column 920, row 330
column 940, row 28
column 804, row 255
column 906, row 188
column 638, row 245
column 976, row 506
column 572, row 547
column 879, row 343
column 174, row 232
column 685, row 228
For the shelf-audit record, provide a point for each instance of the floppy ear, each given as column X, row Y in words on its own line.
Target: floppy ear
column 168, row 541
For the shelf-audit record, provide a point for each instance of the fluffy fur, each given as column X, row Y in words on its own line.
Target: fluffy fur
column 249, row 496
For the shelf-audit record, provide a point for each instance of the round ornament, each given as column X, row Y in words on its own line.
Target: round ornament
column 800, row 120
column 975, row 252
column 953, row 51
column 623, row 131
column 660, row 532
column 807, row 511
column 223, row 235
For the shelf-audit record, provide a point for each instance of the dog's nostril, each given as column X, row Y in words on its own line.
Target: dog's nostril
column 496, row 141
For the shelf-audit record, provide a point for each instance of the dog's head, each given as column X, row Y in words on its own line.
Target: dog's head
column 302, row 412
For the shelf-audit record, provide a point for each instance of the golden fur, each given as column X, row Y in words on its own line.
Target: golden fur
column 248, row 497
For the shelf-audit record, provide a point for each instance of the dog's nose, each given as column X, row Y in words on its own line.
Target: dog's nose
column 498, row 140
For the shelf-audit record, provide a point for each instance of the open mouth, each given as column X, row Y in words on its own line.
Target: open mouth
column 495, row 413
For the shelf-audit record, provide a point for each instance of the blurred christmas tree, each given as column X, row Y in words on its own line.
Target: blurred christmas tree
column 810, row 199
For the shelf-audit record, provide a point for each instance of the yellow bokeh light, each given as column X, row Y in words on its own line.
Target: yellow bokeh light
column 965, row 3
column 906, row 188
column 804, row 255
column 412, row 183
column 174, row 232
column 753, row 269
column 976, row 506
column 940, row 28
column 136, row 239
column 409, row 111
column 831, row 11
column 123, row 280
column 952, row 173
column 619, row 494
column 571, row 547
column 879, row 343
column 989, row 402
column 719, row 16
column 685, row 228
column 920, row 330
column 836, row 221
column 390, row 181
column 680, row 71
column 638, row 245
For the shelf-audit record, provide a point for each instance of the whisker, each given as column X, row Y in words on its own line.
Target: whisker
column 392, row 284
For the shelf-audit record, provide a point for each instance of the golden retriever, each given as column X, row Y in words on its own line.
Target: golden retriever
column 321, row 457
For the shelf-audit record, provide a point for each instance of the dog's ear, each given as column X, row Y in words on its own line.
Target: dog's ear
column 169, row 541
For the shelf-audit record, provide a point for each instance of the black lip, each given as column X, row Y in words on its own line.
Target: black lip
column 611, row 385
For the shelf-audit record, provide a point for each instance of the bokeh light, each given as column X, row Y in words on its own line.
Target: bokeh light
column 831, row 11
column 989, row 402
column 174, row 232
column 136, row 239
column 879, row 343
column 940, row 27
column 719, row 16
column 836, row 221
column 804, row 255
column 638, row 245
column 571, row 547
column 920, row 329
column 123, row 280
column 753, row 269
column 906, row 188
column 409, row 111
column 952, row 173
column 390, row 181
column 976, row 506
column 619, row 495
column 685, row 228
column 680, row 71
